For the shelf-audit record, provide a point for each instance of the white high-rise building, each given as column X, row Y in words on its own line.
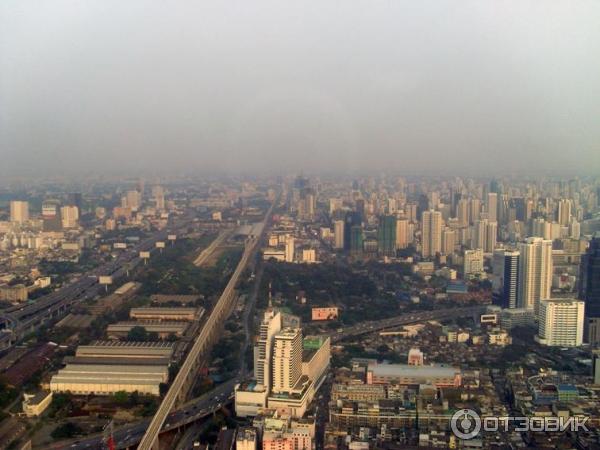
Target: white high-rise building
column 561, row 322
column 287, row 360
column 535, row 272
column 69, row 216
column 269, row 327
column 431, row 233
column 19, row 211
column 338, row 233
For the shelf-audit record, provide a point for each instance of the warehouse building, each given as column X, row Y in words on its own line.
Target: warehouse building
column 106, row 367
column 163, row 329
column 166, row 313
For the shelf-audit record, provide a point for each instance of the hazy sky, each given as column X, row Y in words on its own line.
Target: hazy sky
column 207, row 85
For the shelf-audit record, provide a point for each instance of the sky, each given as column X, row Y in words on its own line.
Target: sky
column 470, row 86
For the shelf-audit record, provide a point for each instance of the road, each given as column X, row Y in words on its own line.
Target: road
column 208, row 251
column 405, row 319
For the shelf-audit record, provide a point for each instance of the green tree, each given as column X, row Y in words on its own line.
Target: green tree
column 138, row 333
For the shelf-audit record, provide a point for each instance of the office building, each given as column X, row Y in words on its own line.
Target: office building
column 535, row 272
column 431, row 235
column 352, row 219
column 356, row 240
column 386, row 236
column 505, row 265
column 19, row 211
column 561, row 322
column 589, row 289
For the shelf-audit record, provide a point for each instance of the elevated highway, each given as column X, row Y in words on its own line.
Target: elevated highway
column 209, row 333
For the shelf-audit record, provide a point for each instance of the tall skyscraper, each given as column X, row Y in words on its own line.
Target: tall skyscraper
column 492, row 206
column 386, row 235
column 338, row 234
column 535, row 272
column 589, row 289
column 462, row 212
column 431, row 233
column 289, row 249
column 287, row 360
column 352, row 219
column 506, row 278
column 561, row 322
column 448, row 241
column 564, row 211
column 356, row 239
column 19, row 211
column 269, row 327
column 402, row 233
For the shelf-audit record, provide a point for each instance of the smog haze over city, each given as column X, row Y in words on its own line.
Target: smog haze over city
column 262, row 86
column 314, row 225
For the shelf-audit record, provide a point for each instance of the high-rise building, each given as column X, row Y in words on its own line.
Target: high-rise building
column 473, row 262
column 402, row 233
column 462, row 212
column 386, row 235
column 132, row 199
column 431, row 235
column 269, row 327
column 287, row 360
column 338, row 234
column 69, row 216
column 448, row 241
column 492, row 206
column 505, row 265
column 351, row 219
column 564, row 211
column 289, row 249
column 75, row 199
column 158, row 194
column 356, row 239
column 19, row 211
column 561, row 322
column 589, row 289
column 535, row 272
